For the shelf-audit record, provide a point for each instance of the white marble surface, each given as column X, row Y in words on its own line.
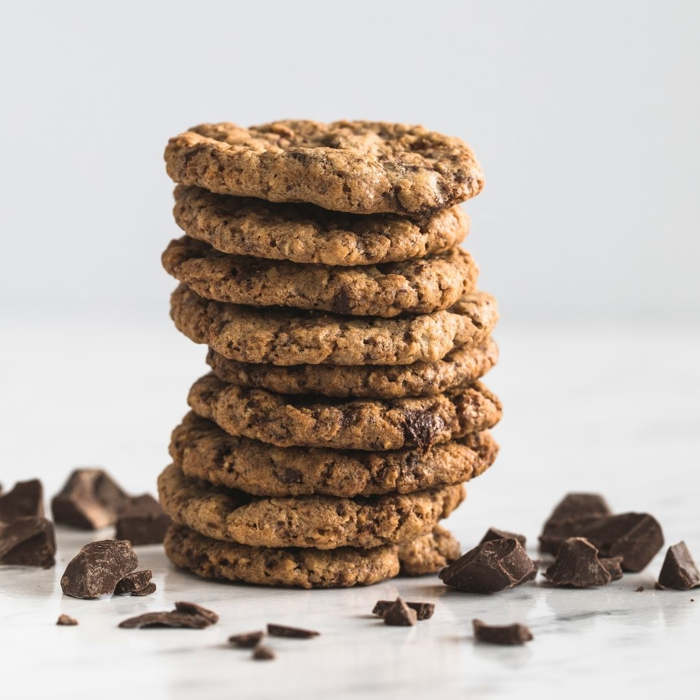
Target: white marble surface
column 609, row 408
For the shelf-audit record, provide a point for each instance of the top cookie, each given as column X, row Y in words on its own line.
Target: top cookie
column 361, row 167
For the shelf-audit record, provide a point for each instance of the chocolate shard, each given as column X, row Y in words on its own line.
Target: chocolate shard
column 141, row 520
column 398, row 614
column 679, row 570
column 168, row 618
column 25, row 500
column 636, row 537
column 66, row 620
column 194, row 609
column 292, row 632
column 424, row 611
column 28, row 541
column 493, row 533
column 573, row 512
column 97, row 568
column 503, row 634
column 263, row 653
column 577, row 566
column 89, row 500
column 613, row 566
column 133, row 582
column 246, row 640
column 490, row 567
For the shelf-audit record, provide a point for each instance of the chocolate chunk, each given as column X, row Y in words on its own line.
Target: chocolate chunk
column 28, row 541
column 246, row 640
column 639, row 589
column 26, row 499
column 679, row 570
column 493, row 533
column 89, row 500
column 421, row 427
column 97, row 568
column 424, row 611
column 613, row 566
column 577, row 566
column 263, row 653
column 636, row 537
column 134, row 582
column 573, row 512
column 505, row 634
column 398, row 614
column 194, row 609
column 166, row 618
column 66, row 620
column 293, row 632
column 491, row 566
column 142, row 521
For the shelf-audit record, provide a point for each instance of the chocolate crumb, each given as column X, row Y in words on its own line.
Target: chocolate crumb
column 679, row 570
column 504, row 635
column 291, row 632
column 424, row 611
column 398, row 614
column 639, row 589
column 577, row 566
column 263, row 653
column 246, row 640
column 493, row 533
column 66, row 620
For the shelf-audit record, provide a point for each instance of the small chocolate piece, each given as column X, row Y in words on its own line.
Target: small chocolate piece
column 398, row 614
column 263, row 653
column 492, row 566
column 66, row 620
column 150, row 588
column 613, row 566
column 639, row 589
column 577, row 566
column 679, row 570
column 246, row 640
column 194, row 609
column 493, row 533
column 142, row 521
column 28, row 541
column 292, row 632
column 97, row 568
column 636, row 537
column 424, row 611
column 134, row 582
column 89, row 500
column 171, row 618
column 572, row 513
column 26, row 499
column 501, row 634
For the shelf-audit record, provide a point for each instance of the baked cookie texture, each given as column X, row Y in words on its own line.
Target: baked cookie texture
column 322, row 522
column 285, row 337
column 416, row 286
column 362, row 167
column 303, row 233
column 306, row 567
column 359, row 424
column 203, row 451
column 461, row 366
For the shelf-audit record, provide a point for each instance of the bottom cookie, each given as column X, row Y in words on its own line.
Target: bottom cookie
column 306, row 567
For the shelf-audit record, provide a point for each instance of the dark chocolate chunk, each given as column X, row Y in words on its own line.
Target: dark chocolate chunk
column 636, row 537
column 293, row 632
column 134, row 582
column 246, row 640
column 142, row 521
column 398, row 614
column 421, row 426
column 26, row 499
column 89, row 500
column 489, row 567
column 573, row 512
column 424, row 611
column 97, row 568
column 501, row 634
column 577, row 566
column 66, row 620
column 679, row 570
column 28, row 541
column 613, row 565
column 493, row 533
column 171, row 618
column 194, row 609
column 263, row 653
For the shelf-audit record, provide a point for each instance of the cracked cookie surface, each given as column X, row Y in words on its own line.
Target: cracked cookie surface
column 362, row 167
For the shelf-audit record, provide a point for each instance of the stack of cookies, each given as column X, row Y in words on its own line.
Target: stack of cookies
column 343, row 411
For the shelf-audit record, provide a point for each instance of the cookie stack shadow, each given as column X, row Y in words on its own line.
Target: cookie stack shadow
column 343, row 410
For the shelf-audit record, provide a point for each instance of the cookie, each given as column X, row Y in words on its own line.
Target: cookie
column 302, row 567
column 355, row 424
column 415, row 286
column 303, row 233
column 361, row 167
column 428, row 554
column 460, row 366
column 285, row 337
column 323, row 522
column 203, row 451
